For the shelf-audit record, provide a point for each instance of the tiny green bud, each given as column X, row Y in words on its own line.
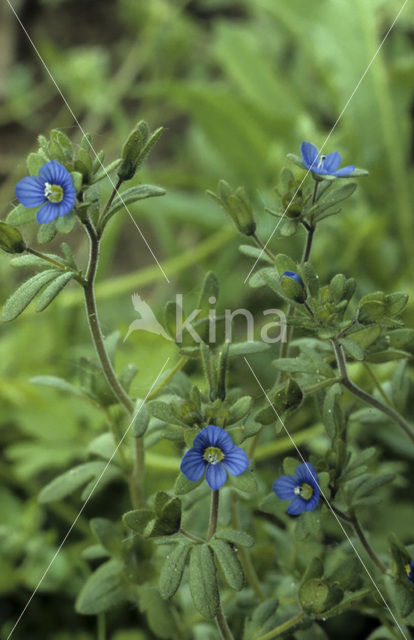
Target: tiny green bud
column 11, row 240
column 293, row 286
column 237, row 206
column 136, row 148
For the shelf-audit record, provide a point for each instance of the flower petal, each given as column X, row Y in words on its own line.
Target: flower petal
column 313, row 501
column 30, row 191
column 296, row 506
column 68, row 202
column 284, row 487
column 345, row 171
column 48, row 212
column 236, row 461
column 215, row 476
column 54, row 172
column 193, row 465
column 332, row 162
column 212, row 436
column 306, row 473
column 309, row 154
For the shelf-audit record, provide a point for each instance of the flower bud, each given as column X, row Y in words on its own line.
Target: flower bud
column 237, row 206
column 136, row 149
column 293, row 286
column 11, row 240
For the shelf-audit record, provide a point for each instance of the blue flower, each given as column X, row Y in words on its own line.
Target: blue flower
column 215, row 453
column 302, row 488
column 323, row 165
column 409, row 567
column 293, row 276
column 52, row 188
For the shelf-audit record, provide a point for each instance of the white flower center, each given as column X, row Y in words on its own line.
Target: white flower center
column 53, row 192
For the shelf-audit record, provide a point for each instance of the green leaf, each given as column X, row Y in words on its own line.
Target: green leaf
column 32, row 261
column 352, row 348
column 138, row 519
column 70, row 481
column 331, row 197
column 239, row 538
column 395, row 303
column 308, row 524
column 172, row 570
column 331, row 411
column 365, row 337
column 52, row 290
column 133, row 194
column 254, row 252
column 57, row 383
column 108, row 535
column 240, row 408
column 164, row 412
column 183, row 485
column 158, row 612
column 34, row 163
column 46, row 232
column 21, row 298
column 399, row 338
column 284, row 263
column 102, row 590
column 229, row 563
column 141, row 419
column 247, row 348
column 246, row 482
column 65, row 224
column 203, row 581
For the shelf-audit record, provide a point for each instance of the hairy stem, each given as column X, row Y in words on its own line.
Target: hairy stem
column 46, row 258
column 370, row 551
column 366, row 397
column 224, row 628
column 214, row 505
column 245, row 557
column 289, row 625
column 157, row 390
column 137, row 476
column 263, row 247
column 308, row 245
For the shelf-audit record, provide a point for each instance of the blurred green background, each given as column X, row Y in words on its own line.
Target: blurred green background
column 237, row 85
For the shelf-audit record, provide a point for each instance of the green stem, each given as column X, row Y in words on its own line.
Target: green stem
column 351, row 518
column 46, row 258
column 191, row 536
column 137, row 476
column 214, row 505
column 221, row 621
column 366, row 397
column 245, row 557
column 377, row 384
column 289, row 625
column 308, row 245
column 328, row 382
column 102, row 222
column 224, row 628
column 157, row 390
column 263, row 247
column 101, row 626
column 370, row 551
column 94, row 325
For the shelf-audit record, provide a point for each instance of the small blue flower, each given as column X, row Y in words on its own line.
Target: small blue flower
column 409, row 567
column 293, row 275
column 301, row 488
column 323, row 165
column 215, row 453
column 52, row 188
